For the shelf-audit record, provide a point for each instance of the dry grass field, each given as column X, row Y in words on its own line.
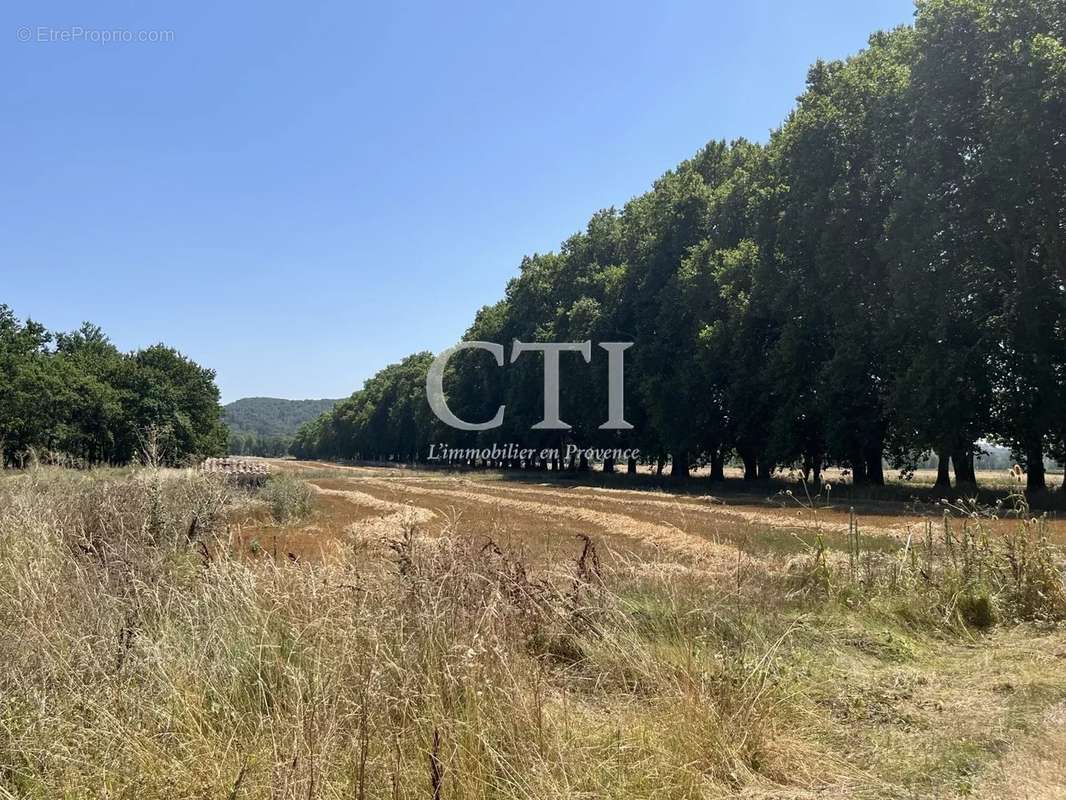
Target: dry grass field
column 350, row 632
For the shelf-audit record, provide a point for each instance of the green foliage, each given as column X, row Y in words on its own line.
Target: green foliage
column 289, row 497
column 265, row 426
column 388, row 418
column 75, row 395
column 271, row 416
column 250, row 444
column 960, row 572
column 882, row 280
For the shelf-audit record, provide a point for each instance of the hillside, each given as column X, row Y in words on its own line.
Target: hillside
column 269, row 417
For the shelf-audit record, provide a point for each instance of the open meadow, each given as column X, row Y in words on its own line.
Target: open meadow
column 532, row 401
column 346, row 632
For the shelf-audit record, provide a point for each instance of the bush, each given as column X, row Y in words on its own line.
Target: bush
column 288, row 496
column 961, row 571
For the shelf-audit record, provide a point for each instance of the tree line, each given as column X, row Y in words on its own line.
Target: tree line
column 883, row 279
column 74, row 395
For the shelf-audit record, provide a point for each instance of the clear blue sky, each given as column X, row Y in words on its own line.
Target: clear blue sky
column 298, row 194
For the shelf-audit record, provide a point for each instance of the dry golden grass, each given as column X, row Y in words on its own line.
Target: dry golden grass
column 167, row 636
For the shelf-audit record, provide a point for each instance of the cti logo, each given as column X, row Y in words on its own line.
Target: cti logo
column 551, row 350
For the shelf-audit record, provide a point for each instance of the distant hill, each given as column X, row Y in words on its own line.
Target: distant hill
column 271, row 417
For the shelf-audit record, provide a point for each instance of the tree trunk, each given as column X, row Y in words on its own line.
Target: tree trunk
column 631, row 466
column 608, row 464
column 964, row 468
column 1034, row 469
column 875, row 468
column 717, row 464
column 751, row 467
column 583, row 464
column 858, row 471
column 763, row 470
column 659, row 464
column 679, row 465
column 943, row 470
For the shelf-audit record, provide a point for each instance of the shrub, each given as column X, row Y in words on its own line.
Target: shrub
column 289, row 497
column 958, row 572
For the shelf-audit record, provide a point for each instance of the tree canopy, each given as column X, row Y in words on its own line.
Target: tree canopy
column 884, row 278
column 75, row 394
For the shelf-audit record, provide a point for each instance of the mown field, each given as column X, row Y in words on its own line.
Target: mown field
column 350, row 632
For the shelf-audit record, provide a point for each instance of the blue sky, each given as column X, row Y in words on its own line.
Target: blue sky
column 298, row 194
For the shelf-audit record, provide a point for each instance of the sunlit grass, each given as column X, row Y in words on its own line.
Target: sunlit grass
column 148, row 652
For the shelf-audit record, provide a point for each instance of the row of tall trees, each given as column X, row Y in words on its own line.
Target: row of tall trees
column 75, row 394
column 883, row 279
column 389, row 418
